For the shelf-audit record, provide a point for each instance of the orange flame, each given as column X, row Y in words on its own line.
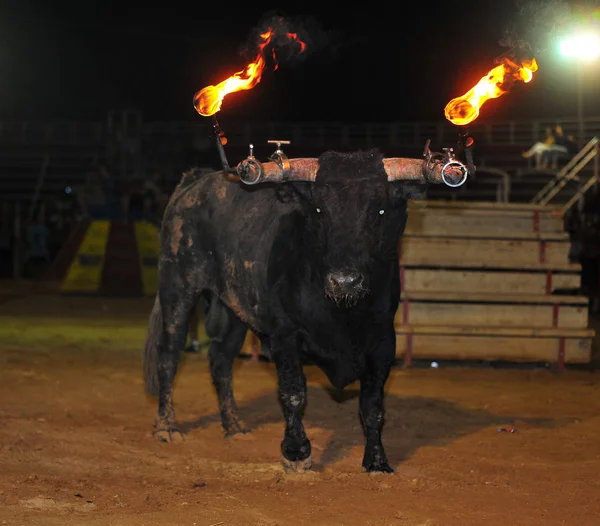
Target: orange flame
column 465, row 109
column 208, row 100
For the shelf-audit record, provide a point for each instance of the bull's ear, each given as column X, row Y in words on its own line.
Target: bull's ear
column 403, row 190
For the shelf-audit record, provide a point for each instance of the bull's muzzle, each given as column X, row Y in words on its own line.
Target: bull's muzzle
column 345, row 286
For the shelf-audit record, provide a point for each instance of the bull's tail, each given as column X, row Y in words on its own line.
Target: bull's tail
column 153, row 338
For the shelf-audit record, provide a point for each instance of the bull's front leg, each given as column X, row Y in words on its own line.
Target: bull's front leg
column 295, row 447
column 372, row 384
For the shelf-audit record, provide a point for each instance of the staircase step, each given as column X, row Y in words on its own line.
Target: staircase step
column 513, row 344
column 445, row 280
column 496, row 297
column 485, row 253
column 435, row 218
column 493, row 310
column 484, row 205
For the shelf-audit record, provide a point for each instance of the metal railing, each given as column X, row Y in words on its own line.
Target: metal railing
column 302, row 134
column 568, row 173
column 581, row 192
column 383, row 135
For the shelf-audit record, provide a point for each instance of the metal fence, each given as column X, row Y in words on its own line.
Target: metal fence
column 303, row 134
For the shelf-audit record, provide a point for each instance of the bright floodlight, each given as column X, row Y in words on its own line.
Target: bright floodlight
column 585, row 46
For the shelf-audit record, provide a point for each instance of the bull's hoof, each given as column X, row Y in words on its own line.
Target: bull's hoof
column 296, row 466
column 235, row 427
column 166, row 433
column 377, row 467
column 375, row 460
column 296, row 458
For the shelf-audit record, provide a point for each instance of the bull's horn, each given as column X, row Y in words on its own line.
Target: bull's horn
column 252, row 172
column 453, row 173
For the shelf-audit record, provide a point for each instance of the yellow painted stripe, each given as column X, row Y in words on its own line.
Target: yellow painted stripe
column 85, row 272
column 147, row 239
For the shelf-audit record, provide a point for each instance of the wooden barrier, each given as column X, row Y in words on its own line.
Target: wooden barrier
column 494, row 344
column 481, row 281
column 430, row 218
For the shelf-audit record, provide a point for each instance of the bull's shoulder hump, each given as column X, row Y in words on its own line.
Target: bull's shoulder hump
column 197, row 188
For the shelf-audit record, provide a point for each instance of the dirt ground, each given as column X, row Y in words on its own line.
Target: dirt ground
column 76, row 444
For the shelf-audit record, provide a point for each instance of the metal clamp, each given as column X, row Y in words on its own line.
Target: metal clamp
column 451, row 162
column 250, row 170
column 279, row 156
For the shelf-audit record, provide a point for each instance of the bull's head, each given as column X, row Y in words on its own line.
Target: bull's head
column 355, row 211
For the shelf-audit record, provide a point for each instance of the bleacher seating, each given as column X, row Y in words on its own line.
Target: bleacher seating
column 21, row 168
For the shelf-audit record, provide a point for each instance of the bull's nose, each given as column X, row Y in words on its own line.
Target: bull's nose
column 345, row 279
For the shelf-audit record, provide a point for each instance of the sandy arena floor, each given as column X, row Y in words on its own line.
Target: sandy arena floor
column 76, row 445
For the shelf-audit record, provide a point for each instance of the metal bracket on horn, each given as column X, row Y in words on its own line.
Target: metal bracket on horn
column 279, row 157
column 446, row 170
column 250, row 170
column 450, row 165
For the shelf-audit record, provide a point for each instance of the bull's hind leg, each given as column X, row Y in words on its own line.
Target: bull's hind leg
column 295, row 447
column 228, row 334
column 176, row 304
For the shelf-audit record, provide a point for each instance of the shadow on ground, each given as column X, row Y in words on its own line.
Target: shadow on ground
column 411, row 422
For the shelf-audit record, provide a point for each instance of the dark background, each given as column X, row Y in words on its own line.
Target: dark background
column 364, row 62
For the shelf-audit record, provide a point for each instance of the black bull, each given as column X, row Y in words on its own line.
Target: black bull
column 310, row 266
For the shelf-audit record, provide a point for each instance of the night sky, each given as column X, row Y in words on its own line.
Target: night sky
column 67, row 60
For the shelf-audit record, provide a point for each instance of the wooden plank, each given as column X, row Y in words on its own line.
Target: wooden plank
column 513, row 349
column 484, row 223
column 478, row 330
column 490, row 314
column 484, row 253
column 501, row 232
column 495, row 297
column 440, row 203
column 484, row 207
column 486, row 281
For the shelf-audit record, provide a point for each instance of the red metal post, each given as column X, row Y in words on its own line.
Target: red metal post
column 408, row 352
column 561, row 354
column 542, row 252
column 549, row 282
column 536, row 221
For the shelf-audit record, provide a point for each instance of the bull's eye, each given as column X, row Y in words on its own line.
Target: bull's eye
column 318, row 210
column 381, row 212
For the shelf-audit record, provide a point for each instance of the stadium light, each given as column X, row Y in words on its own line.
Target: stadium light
column 584, row 47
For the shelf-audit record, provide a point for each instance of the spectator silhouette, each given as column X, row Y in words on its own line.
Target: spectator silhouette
column 548, row 151
column 566, row 143
column 541, row 150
